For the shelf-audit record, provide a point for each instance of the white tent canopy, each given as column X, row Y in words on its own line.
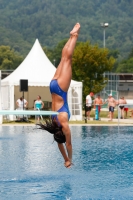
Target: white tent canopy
column 39, row 71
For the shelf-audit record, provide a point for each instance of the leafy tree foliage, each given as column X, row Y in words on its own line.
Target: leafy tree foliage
column 54, row 54
column 49, row 53
column 89, row 64
column 130, row 54
column 22, row 21
column 8, row 58
column 126, row 65
column 115, row 54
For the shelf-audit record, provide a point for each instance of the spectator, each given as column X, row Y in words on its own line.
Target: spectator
column 111, row 104
column 131, row 113
column 38, row 105
column 98, row 101
column 89, row 104
column 122, row 101
column 21, row 103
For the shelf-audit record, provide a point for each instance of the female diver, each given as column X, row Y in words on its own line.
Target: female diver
column 59, row 86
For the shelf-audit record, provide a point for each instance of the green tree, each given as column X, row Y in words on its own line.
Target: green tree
column 115, row 54
column 54, row 54
column 8, row 58
column 22, row 21
column 89, row 64
column 57, row 51
column 126, row 66
column 49, row 53
column 130, row 54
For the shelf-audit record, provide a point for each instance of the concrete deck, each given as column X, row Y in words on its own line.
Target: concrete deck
column 91, row 122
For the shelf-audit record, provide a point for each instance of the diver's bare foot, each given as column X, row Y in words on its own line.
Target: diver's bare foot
column 75, row 29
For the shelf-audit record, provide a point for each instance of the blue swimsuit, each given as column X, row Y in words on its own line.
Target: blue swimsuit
column 55, row 88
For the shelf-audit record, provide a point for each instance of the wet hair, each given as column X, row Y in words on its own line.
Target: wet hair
column 52, row 127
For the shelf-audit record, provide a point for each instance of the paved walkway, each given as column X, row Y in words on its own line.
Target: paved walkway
column 115, row 122
column 130, row 120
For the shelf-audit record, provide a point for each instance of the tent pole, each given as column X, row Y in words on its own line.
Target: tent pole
column 23, row 103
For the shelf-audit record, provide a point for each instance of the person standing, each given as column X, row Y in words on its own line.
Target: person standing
column 21, row 103
column 111, row 104
column 98, row 102
column 122, row 101
column 89, row 104
column 131, row 111
column 38, row 105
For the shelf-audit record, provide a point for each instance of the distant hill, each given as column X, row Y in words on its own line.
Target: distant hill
column 22, row 21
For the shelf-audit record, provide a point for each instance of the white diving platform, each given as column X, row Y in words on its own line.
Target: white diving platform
column 27, row 112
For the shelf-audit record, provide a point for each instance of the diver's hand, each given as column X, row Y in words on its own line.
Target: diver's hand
column 68, row 164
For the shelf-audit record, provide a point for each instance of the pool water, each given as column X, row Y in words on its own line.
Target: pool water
column 31, row 167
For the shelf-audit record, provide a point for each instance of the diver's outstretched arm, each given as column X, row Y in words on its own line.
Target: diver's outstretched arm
column 66, row 130
column 67, row 163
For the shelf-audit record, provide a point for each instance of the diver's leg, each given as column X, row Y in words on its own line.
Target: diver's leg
column 65, row 76
column 64, row 71
column 58, row 70
column 65, row 50
column 67, row 162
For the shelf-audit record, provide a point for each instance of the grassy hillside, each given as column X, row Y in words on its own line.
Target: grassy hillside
column 22, row 21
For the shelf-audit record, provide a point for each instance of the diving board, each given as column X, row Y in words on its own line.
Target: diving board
column 27, row 112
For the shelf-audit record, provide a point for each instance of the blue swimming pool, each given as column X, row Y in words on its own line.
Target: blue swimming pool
column 31, row 167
